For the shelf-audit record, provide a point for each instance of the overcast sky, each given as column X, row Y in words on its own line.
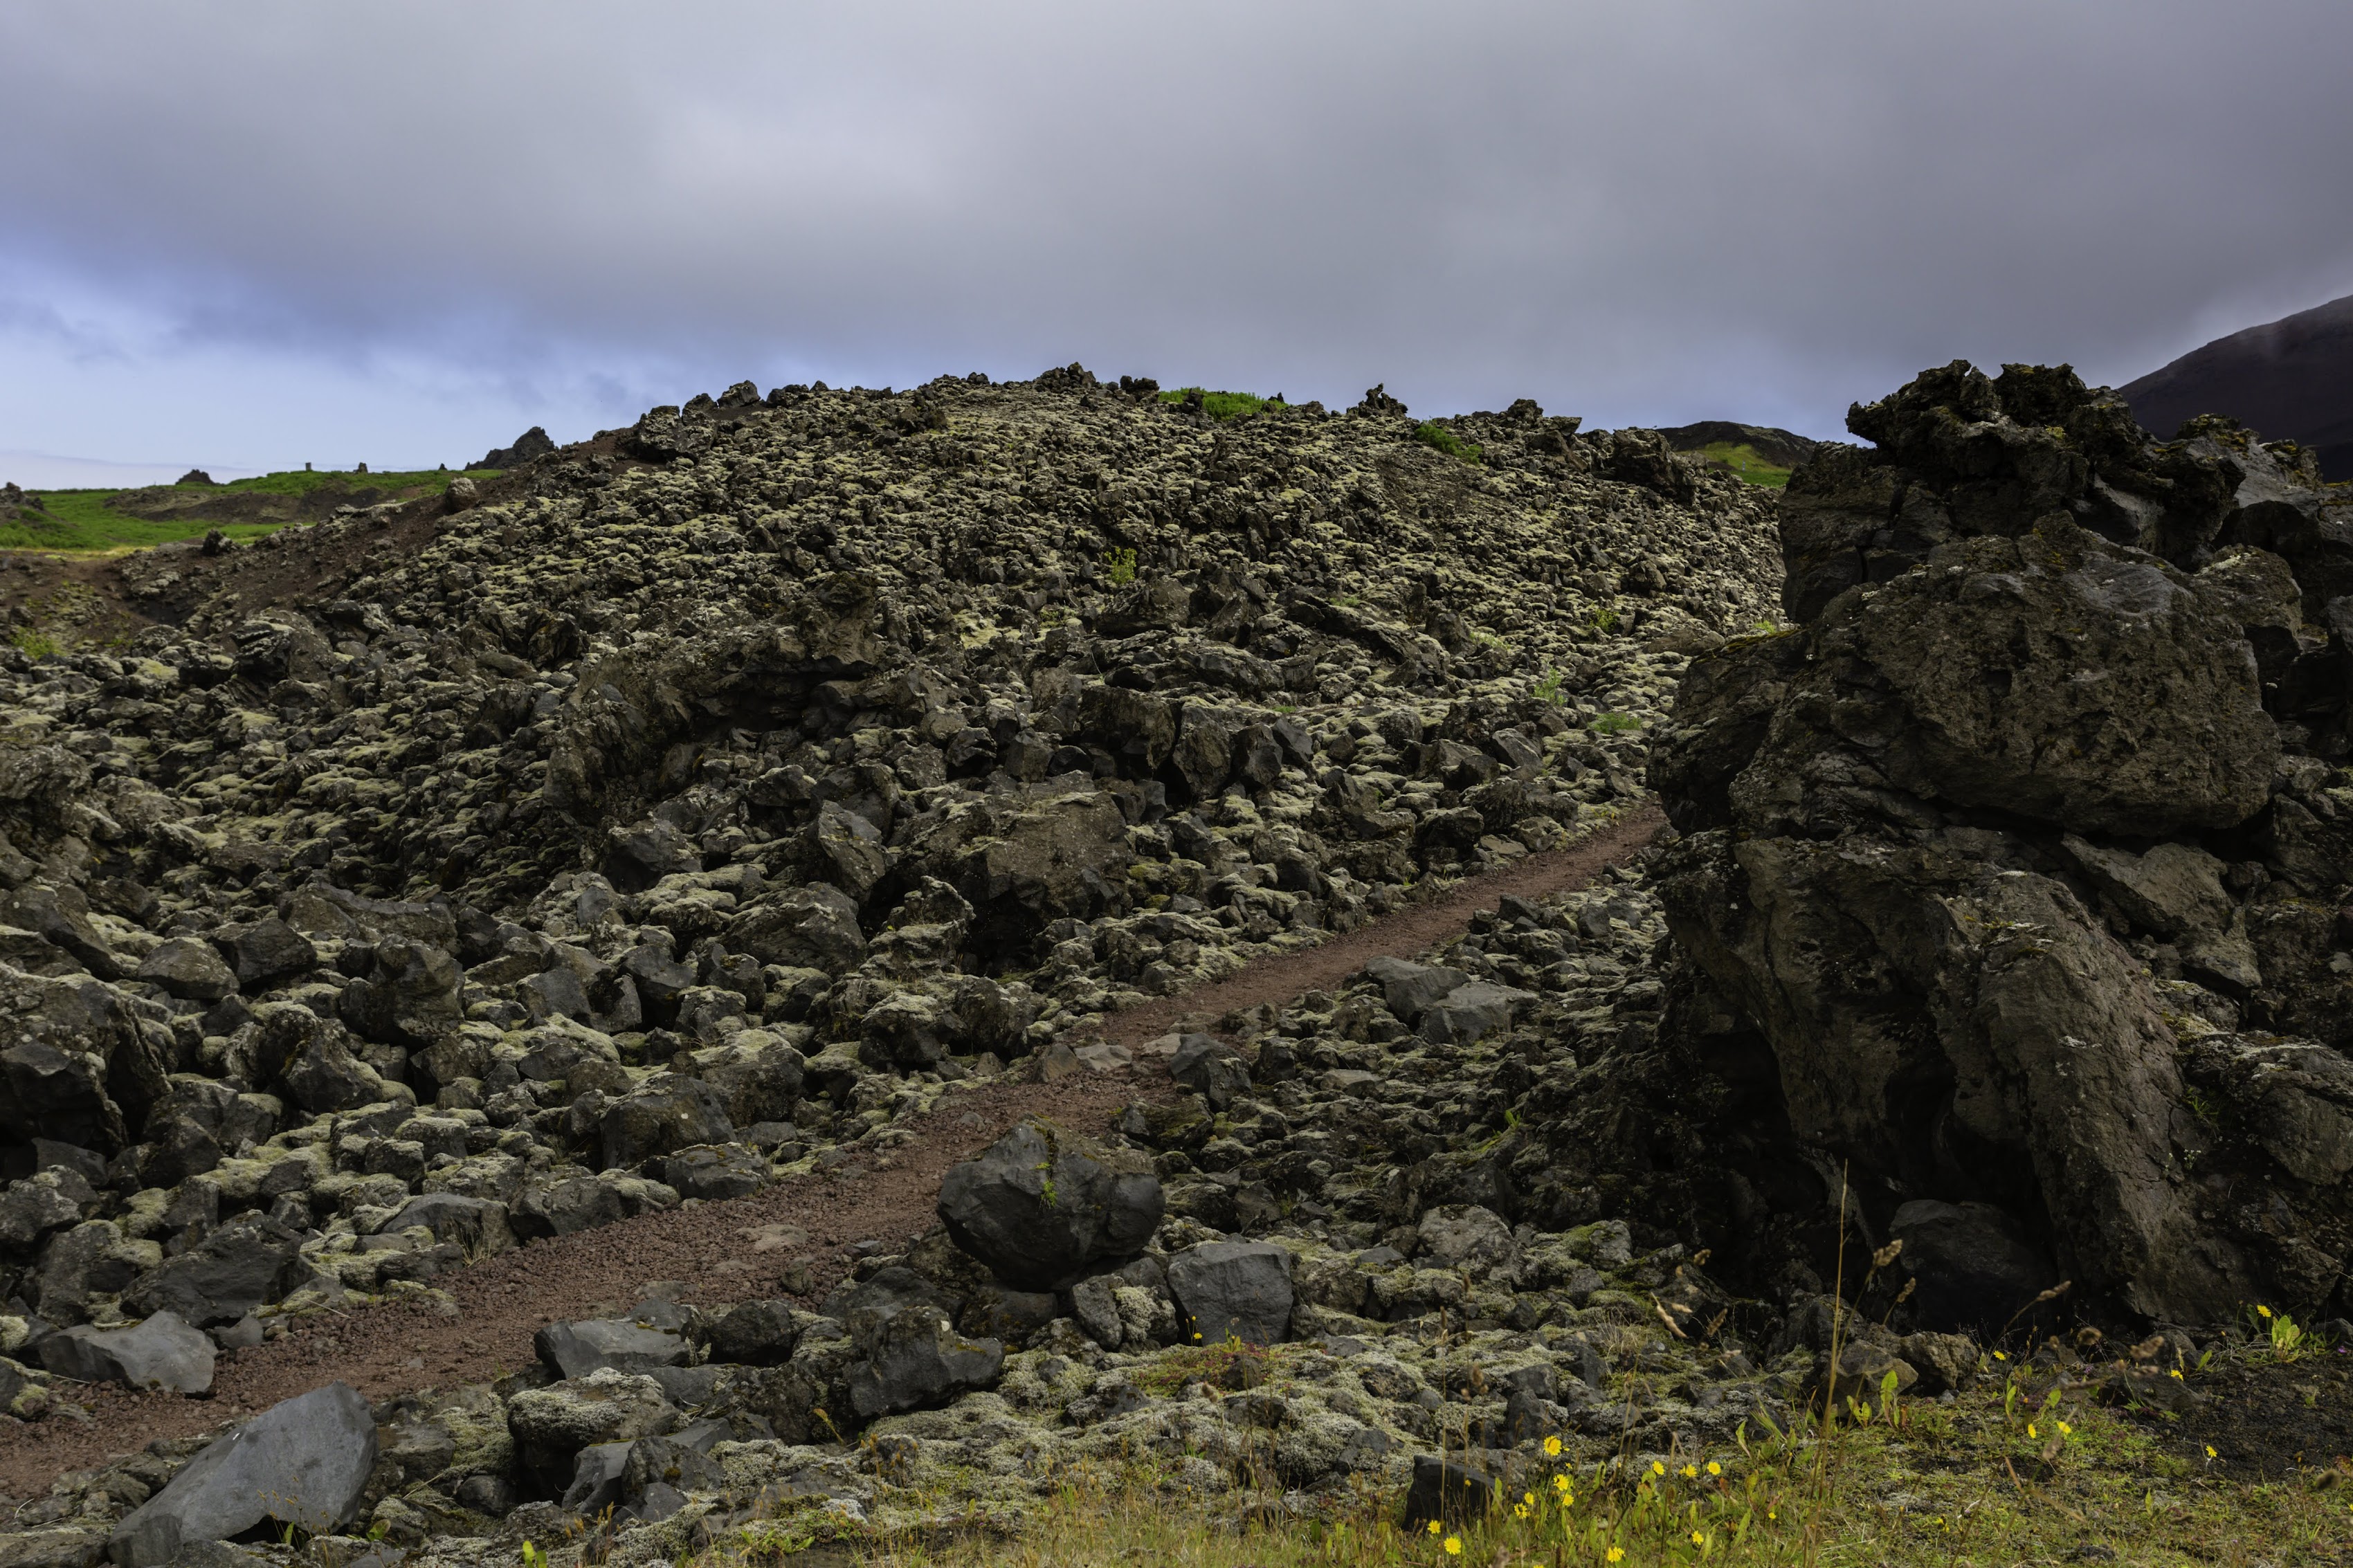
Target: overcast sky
column 252, row 234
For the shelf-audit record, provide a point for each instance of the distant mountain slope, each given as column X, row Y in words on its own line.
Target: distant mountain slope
column 2290, row 378
column 1760, row 454
column 1784, row 446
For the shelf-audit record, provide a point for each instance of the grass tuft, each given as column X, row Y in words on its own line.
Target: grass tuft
column 1220, row 404
column 1430, row 433
column 1986, row 1479
column 81, row 519
column 1745, row 463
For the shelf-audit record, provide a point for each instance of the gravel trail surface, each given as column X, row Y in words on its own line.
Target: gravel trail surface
column 743, row 1248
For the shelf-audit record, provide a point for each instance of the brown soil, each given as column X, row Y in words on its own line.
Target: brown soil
column 739, row 1249
column 2265, row 1422
column 1415, row 929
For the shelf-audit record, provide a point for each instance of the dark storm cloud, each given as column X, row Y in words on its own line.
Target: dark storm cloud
column 1654, row 212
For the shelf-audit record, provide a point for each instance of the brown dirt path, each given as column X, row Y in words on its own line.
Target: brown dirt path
column 738, row 1250
column 1403, row 932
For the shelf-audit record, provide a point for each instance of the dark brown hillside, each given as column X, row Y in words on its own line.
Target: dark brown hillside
column 2292, row 378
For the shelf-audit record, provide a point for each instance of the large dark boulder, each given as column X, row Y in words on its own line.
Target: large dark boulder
column 1447, row 1493
column 1022, row 864
column 2059, row 1063
column 264, row 952
column 815, row 927
column 2046, row 677
column 61, row 916
column 911, row 1358
column 188, row 969
column 1975, row 1268
column 570, row 1203
column 1040, row 1204
column 533, row 443
column 77, row 1064
column 43, row 1201
column 755, row 1334
column 1233, row 1289
column 197, row 1122
column 322, row 1072
column 409, row 998
column 662, row 1115
column 248, row 1264
column 757, row 1075
column 551, row 1425
column 1410, row 989
column 1138, row 728
column 304, row 1462
column 478, row 1226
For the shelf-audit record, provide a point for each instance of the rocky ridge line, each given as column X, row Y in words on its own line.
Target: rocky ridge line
column 686, row 811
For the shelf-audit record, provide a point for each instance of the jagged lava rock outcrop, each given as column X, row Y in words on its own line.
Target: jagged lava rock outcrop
column 2026, row 853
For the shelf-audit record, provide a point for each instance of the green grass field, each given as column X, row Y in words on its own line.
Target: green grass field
column 81, row 519
column 2028, row 1470
column 1745, row 463
column 1430, row 433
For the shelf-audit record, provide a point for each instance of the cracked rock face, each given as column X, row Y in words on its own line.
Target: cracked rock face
column 2042, row 805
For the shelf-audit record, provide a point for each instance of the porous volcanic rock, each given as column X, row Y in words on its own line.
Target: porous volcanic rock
column 696, row 805
column 2043, row 804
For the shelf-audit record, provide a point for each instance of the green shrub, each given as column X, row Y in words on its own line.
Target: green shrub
column 1746, row 463
column 1430, row 433
column 1119, row 565
column 1616, row 723
column 1220, row 404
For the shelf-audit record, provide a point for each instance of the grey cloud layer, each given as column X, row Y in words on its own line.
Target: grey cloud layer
column 1654, row 212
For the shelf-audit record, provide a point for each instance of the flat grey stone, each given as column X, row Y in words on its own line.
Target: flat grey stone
column 1410, row 988
column 162, row 1353
column 1471, row 1011
column 304, row 1462
column 577, row 1349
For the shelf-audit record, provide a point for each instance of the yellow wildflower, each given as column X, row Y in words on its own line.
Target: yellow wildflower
column 1691, row 1472
column 1657, row 1468
column 1434, row 1527
column 2263, row 1311
column 1617, row 1555
column 1552, row 1447
column 1714, row 1468
column 1454, row 1546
